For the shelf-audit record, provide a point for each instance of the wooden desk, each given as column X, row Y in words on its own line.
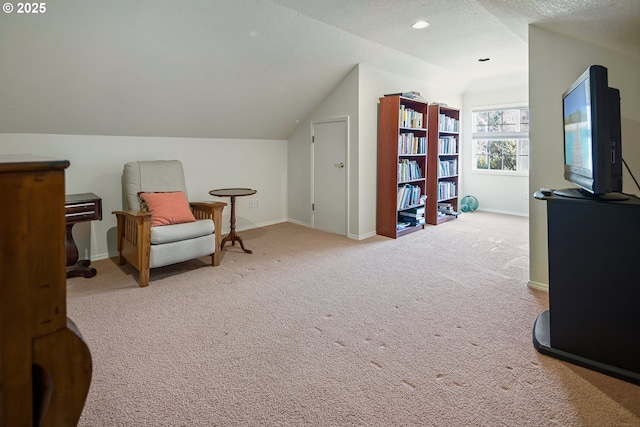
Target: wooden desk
column 80, row 208
column 233, row 193
column 45, row 365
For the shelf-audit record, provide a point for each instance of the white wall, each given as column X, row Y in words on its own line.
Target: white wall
column 358, row 97
column 495, row 191
column 554, row 63
column 97, row 162
column 373, row 85
column 342, row 101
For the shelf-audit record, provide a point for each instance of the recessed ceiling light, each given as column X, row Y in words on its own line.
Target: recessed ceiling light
column 484, row 59
column 420, row 25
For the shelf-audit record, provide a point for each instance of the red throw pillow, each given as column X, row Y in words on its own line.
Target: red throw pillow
column 168, row 208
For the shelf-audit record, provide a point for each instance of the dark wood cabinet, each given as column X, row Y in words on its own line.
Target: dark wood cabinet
column 45, row 367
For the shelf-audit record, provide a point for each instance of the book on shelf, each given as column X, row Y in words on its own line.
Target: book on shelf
column 409, row 118
column 447, row 145
column 447, row 168
column 415, row 212
column 447, row 124
column 402, row 225
column 412, row 95
column 446, row 190
column 412, row 221
column 408, row 195
column 409, row 143
column 408, row 170
column 413, row 215
column 447, row 209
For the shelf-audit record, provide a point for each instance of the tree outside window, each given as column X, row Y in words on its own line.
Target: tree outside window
column 501, row 139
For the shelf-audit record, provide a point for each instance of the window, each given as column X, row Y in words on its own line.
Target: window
column 501, row 140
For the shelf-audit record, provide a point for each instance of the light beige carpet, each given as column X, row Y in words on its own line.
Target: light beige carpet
column 432, row 329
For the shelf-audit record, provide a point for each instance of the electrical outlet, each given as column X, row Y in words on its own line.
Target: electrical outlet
column 525, row 196
column 254, row 203
column 257, row 203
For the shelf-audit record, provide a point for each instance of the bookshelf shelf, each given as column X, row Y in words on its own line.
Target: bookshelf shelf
column 402, row 165
column 442, row 169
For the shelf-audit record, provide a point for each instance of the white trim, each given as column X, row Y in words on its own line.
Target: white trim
column 362, row 236
column 499, row 172
column 538, row 286
column 499, row 211
column 304, row 224
column 261, row 224
column 500, row 135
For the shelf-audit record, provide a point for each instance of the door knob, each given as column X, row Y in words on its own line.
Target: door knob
column 339, row 165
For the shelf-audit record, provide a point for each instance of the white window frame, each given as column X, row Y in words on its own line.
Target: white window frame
column 498, row 136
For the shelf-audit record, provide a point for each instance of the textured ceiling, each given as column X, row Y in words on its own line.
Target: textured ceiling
column 254, row 68
column 463, row 31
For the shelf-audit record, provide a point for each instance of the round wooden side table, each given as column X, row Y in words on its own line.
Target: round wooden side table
column 233, row 193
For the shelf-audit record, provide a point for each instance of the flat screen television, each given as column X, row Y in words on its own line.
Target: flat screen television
column 592, row 137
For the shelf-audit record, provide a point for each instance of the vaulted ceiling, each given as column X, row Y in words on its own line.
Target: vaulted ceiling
column 252, row 68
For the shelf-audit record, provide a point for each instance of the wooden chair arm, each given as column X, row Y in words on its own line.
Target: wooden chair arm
column 209, row 207
column 213, row 211
column 132, row 214
column 208, row 210
column 134, row 240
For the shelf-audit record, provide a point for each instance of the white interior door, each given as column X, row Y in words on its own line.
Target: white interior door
column 329, row 178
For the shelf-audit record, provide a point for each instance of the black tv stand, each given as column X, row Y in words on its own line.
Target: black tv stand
column 594, row 294
column 579, row 193
column 542, row 343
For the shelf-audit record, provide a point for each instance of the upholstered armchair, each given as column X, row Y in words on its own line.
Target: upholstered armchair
column 160, row 226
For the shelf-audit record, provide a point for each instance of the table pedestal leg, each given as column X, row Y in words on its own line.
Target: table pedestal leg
column 233, row 236
column 75, row 267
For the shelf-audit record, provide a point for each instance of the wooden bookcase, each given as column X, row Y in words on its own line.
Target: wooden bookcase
column 402, row 140
column 443, row 162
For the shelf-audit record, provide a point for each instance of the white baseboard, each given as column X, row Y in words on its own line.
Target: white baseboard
column 362, row 236
column 259, row 225
column 499, row 211
column 539, row 286
column 99, row 257
column 295, row 221
column 350, row 236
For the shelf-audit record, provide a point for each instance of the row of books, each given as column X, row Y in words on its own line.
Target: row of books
column 409, row 118
column 447, row 168
column 448, row 124
column 446, row 190
column 408, row 195
column 413, row 216
column 408, row 170
column 408, row 143
column 447, row 209
column 447, row 145
column 401, row 225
